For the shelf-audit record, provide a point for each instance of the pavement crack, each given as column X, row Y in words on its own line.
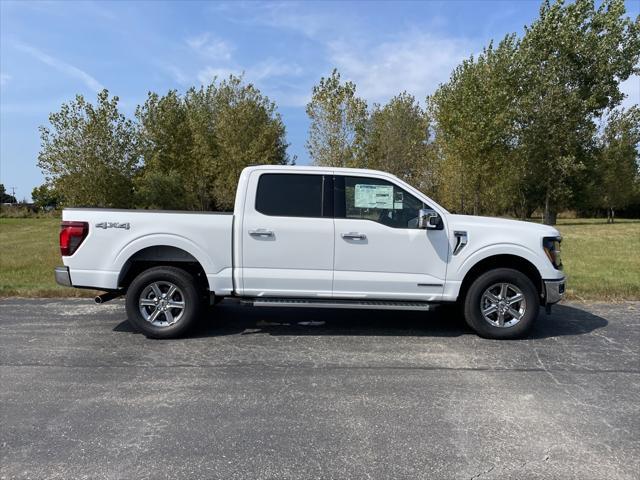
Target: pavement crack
column 544, row 367
column 564, row 386
column 478, row 475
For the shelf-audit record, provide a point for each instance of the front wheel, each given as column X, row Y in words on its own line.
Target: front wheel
column 163, row 302
column 501, row 304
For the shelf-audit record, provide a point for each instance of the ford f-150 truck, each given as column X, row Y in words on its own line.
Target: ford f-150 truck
column 314, row 237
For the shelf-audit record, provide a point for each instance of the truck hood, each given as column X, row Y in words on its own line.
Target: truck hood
column 519, row 228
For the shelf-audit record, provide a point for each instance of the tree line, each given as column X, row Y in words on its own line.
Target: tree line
column 179, row 152
column 530, row 124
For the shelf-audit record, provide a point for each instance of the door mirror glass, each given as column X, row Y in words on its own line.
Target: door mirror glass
column 429, row 219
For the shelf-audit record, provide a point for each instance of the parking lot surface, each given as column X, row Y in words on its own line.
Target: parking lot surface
column 338, row 394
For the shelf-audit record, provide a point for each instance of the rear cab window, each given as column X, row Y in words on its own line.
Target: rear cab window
column 294, row 195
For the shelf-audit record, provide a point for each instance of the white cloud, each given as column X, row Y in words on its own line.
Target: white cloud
column 176, row 73
column 272, row 76
column 207, row 74
column 416, row 62
column 62, row 66
column 211, row 47
column 4, row 79
column 274, row 68
column 259, row 72
column 279, row 15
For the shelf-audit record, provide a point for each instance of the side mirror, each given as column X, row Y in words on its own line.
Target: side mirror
column 429, row 219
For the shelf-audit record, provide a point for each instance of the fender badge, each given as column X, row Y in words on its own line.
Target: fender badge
column 105, row 225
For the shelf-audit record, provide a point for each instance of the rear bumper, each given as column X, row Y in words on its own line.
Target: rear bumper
column 554, row 290
column 62, row 276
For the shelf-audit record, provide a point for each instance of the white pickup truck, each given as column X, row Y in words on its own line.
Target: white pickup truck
column 314, row 237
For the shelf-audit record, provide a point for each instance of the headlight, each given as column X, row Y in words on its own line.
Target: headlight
column 551, row 246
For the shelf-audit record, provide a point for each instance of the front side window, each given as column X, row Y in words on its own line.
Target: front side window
column 290, row 195
column 377, row 200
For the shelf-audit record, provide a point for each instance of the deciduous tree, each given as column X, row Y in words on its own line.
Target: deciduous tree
column 397, row 141
column 619, row 161
column 338, row 124
column 45, row 196
column 89, row 153
column 473, row 114
column 195, row 146
column 571, row 62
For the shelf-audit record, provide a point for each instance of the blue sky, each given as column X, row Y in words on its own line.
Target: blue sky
column 49, row 51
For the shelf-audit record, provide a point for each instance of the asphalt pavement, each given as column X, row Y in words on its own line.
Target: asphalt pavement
column 277, row 393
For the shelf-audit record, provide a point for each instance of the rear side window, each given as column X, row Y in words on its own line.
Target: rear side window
column 290, row 195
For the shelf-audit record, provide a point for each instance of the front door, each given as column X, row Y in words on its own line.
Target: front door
column 379, row 251
column 287, row 235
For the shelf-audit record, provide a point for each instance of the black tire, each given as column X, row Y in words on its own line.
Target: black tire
column 187, row 293
column 476, row 294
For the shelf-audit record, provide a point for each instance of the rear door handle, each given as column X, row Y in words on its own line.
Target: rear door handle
column 354, row 236
column 261, row 232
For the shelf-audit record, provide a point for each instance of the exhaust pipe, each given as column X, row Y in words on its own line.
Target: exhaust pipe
column 105, row 297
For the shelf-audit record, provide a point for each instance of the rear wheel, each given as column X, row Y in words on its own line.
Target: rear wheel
column 163, row 302
column 501, row 303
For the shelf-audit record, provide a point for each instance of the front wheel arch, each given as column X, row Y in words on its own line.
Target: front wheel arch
column 513, row 262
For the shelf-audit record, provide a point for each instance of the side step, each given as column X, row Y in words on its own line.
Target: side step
column 331, row 303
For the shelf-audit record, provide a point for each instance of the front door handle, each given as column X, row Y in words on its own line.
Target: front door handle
column 261, row 232
column 354, row 236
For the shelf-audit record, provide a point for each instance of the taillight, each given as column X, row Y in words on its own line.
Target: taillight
column 71, row 236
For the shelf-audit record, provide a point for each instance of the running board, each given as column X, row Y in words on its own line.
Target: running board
column 361, row 304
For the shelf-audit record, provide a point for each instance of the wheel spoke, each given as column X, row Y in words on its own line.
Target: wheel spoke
column 147, row 302
column 156, row 290
column 514, row 313
column 503, row 291
column 153, row 317
column 490, row 309
column 168, row 316
column 175, row 304
column 515, row 299
column 492, row 297
column 500, row 319
column 171, row 291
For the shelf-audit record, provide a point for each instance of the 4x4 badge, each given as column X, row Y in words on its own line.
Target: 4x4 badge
column 106, row 225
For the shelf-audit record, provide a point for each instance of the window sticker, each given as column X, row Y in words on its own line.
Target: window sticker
column 374, row 196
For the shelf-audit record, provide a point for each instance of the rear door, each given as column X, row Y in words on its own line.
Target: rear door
column 379, row 251
column 288, row 234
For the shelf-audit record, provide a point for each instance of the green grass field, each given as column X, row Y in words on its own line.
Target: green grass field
column 28, row 256
column 602, row 261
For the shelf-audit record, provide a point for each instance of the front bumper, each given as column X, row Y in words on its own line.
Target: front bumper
column 554, row 290
column 62, row 276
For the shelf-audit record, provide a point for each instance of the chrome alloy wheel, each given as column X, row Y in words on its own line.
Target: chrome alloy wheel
column 503, row 305
column 161, row 304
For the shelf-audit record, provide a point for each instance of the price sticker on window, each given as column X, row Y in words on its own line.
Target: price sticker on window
column 374, row 196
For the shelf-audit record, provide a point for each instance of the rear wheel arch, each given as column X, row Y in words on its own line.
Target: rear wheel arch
column 502, row 261
column 162, row 255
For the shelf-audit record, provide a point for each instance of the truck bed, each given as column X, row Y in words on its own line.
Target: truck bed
column 116, row 235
